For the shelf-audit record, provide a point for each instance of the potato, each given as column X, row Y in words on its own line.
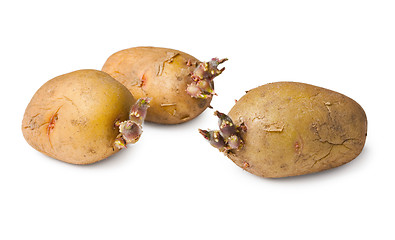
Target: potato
column 287, row 129
column 77, row 117
column 181, row 87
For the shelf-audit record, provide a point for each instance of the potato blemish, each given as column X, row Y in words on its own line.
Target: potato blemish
column 142, row 81
column 185, row 117
column 245, row 165
column 169, row 108
column 51, row 125
column 32, row 122
column 169, row 59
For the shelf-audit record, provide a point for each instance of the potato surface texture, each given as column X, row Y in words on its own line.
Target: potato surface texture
column 295, row 129
column 161, row 74
column 72, row 116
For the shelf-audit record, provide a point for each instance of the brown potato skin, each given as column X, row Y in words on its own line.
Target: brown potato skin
column 295, row 129
column 162, row 74
column 71, row 117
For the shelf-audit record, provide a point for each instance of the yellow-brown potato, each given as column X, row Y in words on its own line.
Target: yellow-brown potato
column 72, row 116
column 294, row 129
column 163, row 75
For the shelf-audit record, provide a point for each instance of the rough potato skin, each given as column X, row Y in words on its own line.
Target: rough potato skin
column 162, row 74
column 72, row 116
column 295, row 129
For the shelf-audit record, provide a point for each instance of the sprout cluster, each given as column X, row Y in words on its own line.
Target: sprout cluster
column 131, row 129
column 203, row 76
column 228, row 137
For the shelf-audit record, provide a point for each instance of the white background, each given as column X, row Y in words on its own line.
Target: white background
column 172, row 184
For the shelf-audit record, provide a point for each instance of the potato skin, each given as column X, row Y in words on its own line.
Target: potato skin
column 71, row 117
column 162, row 74
column 295, row 129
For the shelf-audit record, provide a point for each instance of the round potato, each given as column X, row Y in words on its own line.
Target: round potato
column 286, row 129
column 181, row 87
column 77, row 117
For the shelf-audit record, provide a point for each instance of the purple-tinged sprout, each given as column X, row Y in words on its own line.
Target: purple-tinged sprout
column 234, row 142
column 218, row 61
column 208, row 70
column 206, row 86
column 203, row 77
column 229, row 131
column 206, row 134
column 194, row 91
column 215, row 139
column 130, row 130
column 242, row 127
column 226, row 125
column 228, row 137
column 200, row 72
column 139, row 110
column 120, row 142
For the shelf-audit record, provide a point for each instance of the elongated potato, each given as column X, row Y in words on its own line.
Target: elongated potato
column 181, row 87
column 287, row 129
column 82, row 117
